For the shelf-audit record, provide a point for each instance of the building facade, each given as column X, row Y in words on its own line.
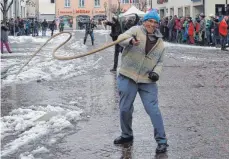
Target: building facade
column 46, row 10
column 73, row 11
column 189, row 7
column 217, row 7
column 177, row 7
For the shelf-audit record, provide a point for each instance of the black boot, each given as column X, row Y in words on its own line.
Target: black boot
column 113, row 70
column 116, row 54
column 122, row 140
column 162, row 148
column 84, row 41
column 92, row 42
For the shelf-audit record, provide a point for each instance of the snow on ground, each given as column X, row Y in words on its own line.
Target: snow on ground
column 102, row 31
column 28, row 155
column 36, row 124
column 31, row 39
column 168, row 44
column 44, row 67
column 24, row 39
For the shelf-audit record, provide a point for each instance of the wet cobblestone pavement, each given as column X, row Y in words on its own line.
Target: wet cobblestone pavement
column 193, row 98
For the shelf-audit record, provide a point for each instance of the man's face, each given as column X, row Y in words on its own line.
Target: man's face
column 150, row 25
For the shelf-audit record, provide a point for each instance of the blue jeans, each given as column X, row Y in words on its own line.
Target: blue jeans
column 148, row 92
column 91, row 34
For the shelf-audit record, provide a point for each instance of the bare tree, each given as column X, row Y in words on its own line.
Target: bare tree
column 5, row 6
column 141, row 4
column 114, row 9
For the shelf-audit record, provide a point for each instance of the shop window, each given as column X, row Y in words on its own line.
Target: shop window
column 67, row 3
column 97, row 3
column 81, row 3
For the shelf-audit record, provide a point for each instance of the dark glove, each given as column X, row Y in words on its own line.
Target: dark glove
column 153, row 76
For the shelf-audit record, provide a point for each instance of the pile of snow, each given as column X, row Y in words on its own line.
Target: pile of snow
column 30, row 155
column 30, row 38
column 25, row 39
column 36, row 124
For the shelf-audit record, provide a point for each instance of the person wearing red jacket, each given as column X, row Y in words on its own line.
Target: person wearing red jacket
column 177, row 28
column 223, row 33
column 191, row 30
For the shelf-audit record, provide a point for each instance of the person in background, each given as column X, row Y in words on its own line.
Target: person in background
column 170, row 26
column 52, row 27
column 4, row 38
column 27, row 27
column 185, row 30
column 202, row 29
column 197, row 29
column 191, row 30
column 89, row 30
column 44, row 26
column 115, row 32
column 21, row 27
column 36, row 28
column 11, row 26
column 178, row 30
column 223, row 33
column 61, row 26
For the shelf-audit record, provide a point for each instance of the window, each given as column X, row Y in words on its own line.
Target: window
column 137, row 1
column 52, row 1
column 81, row 3
column 125, row 1
column 67, row 3
column 97, row 3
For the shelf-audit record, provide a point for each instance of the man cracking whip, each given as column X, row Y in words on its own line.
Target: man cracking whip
column 141, row 66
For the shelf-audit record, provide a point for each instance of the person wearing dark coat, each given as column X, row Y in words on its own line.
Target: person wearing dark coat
column 4, row 38
column 89, row 30
column 52, row 27
column 44, row 26
column 115, row 32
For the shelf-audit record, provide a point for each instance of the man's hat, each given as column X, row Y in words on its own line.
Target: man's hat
column 151, row 15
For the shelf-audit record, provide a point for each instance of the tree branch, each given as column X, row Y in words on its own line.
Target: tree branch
column 9, row 5
column 2, row 5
